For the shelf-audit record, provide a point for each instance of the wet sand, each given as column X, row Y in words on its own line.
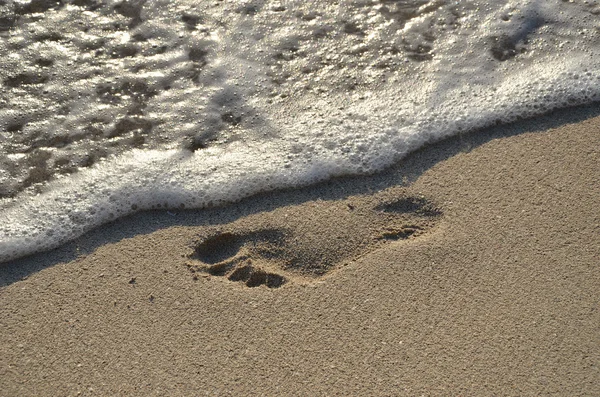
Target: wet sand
column 471, row 268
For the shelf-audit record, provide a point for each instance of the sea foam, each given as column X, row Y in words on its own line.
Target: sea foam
column 114, row 108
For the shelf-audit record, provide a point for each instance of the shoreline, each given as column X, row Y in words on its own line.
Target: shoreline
column 402, row 173
column 495, row 294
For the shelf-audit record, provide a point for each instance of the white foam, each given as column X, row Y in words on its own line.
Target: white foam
column 290, row 95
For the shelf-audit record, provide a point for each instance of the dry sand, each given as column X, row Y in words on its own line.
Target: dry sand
column 471, row 268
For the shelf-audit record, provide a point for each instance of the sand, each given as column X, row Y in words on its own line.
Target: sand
column 470, row 268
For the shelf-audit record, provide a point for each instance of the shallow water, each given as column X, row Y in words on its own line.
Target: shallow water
column 113, row 107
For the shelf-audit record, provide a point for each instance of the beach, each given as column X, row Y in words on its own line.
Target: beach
column 468, row 268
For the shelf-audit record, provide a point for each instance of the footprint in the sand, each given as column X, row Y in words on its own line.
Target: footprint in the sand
column 307, row 241
column 231, row 255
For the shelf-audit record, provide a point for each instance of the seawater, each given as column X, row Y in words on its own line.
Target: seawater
column 112, row 107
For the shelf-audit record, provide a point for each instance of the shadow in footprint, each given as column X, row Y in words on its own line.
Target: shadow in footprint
column 218, row 248
column 411, row 205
